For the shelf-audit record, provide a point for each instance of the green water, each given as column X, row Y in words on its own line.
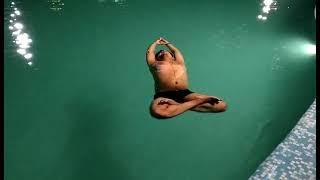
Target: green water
column 80, row 111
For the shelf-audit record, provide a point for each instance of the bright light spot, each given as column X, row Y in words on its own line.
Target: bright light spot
column 22, row 51
column 23, row 40
column 23, row 37
column 17, row 12
column 18, row 25
column 264, row 18
column 16, row 32
column 310, row 49
column 260, row 16
column 20, row 38
column 266, row 9
column 28, row 56
column 268, row 2
column 24, row 46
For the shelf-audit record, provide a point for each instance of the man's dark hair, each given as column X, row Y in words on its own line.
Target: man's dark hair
column 157, row 54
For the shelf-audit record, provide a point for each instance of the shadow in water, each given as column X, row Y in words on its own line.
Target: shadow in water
column 88, row 152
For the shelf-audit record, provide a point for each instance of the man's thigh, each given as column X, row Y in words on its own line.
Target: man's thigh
column 216, row 106
column 194, row 96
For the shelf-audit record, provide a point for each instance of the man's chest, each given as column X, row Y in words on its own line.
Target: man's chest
column 169, row 68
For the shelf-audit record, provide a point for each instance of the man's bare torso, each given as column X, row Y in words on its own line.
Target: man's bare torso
column 169, row 76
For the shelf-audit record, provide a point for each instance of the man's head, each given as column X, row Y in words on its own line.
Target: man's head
column 164, row 55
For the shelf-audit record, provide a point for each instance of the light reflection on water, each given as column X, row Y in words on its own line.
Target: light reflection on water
column 120, row 3
column 267, row 7
column 56, row 5
column 21, row 39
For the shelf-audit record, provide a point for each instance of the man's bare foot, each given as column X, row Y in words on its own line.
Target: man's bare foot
column 214, row 100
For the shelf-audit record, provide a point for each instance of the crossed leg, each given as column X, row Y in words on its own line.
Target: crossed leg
column 217, row 106
column 166, row 108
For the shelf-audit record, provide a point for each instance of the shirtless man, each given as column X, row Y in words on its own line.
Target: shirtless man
column 172, row 95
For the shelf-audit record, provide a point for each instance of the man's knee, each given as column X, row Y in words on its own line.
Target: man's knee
column 161, row 113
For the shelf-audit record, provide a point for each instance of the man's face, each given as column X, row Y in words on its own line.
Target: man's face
column 164, row 56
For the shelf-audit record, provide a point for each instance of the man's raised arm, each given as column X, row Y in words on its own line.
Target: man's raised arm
column 177, row 53
column 150, row 55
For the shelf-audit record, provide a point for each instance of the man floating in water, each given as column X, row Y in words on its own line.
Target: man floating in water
column 172, row 95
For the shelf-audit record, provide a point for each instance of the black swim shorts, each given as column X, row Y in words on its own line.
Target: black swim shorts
column 177, row 95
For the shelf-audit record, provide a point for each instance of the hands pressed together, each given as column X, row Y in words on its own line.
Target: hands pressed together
column 161, row 41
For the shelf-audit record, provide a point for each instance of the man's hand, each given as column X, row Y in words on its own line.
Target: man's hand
column 158, row 42
column 163, row 41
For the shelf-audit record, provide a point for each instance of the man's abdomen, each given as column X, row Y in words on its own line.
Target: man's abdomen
column 171, row 84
